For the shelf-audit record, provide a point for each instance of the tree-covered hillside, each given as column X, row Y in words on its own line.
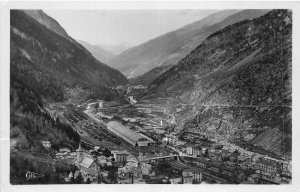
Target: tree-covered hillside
column 45, row 67
column 45, row 58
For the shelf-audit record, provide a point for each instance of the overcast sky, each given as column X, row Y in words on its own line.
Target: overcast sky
column 131, row 27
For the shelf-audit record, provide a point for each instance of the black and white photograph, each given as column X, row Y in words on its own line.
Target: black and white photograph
column 199, row 96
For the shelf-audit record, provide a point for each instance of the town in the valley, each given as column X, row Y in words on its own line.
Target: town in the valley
column 206, row 100
column 136, row 143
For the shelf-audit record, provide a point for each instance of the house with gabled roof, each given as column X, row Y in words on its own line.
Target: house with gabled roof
column 89, row 168
column 88, row 163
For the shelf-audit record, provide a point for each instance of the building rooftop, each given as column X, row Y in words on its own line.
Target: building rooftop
column 215, row 153
column 131, row 158
column 125, row 131
column 146, row 165
column 228, row 167
column 193, row 170
column 86, row 162
column 198, row 147
column 123, row 152
column 215, row 163
column 267, row 162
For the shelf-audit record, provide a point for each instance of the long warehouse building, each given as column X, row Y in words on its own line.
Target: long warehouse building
column 127, row 134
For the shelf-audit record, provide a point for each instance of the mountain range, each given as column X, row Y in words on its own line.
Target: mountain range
column 98, row 52
column 227, row 76
column 168, row 49
column 43, row 55
column 116, row 49
column 236, row 84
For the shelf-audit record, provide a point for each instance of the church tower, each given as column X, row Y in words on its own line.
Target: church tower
column 79, row 152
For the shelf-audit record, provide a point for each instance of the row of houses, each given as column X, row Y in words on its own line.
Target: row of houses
column 190, row 175
column 267, row 166
column 228, row 171
column 260, row 163
column 233, row 165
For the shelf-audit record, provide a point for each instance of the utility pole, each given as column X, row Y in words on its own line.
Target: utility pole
column 116, row 177
column 131, row 177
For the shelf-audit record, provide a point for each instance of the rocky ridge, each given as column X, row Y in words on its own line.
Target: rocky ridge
column 237, row 83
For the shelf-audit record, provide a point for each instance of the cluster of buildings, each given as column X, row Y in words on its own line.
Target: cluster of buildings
column 234, row 165
column 93, row 168
column 202, row 163
column 135, row 87
column 89, row 166
column 127, row 167
column 229, row 161
column 191, row 175
column 130, row 174
column 204, row 158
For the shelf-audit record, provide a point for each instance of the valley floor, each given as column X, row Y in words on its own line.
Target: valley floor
column 155, row 120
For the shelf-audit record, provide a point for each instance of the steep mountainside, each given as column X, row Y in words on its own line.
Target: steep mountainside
column 173, row 46
column 149, row 76
column 52, row 25
column 49, row 22
column 45, row 65
column 29, row 125
column 49, row 62
column 98, row 52
column 237, row 83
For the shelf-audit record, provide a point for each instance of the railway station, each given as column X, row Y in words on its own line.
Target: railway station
column 127, row 134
